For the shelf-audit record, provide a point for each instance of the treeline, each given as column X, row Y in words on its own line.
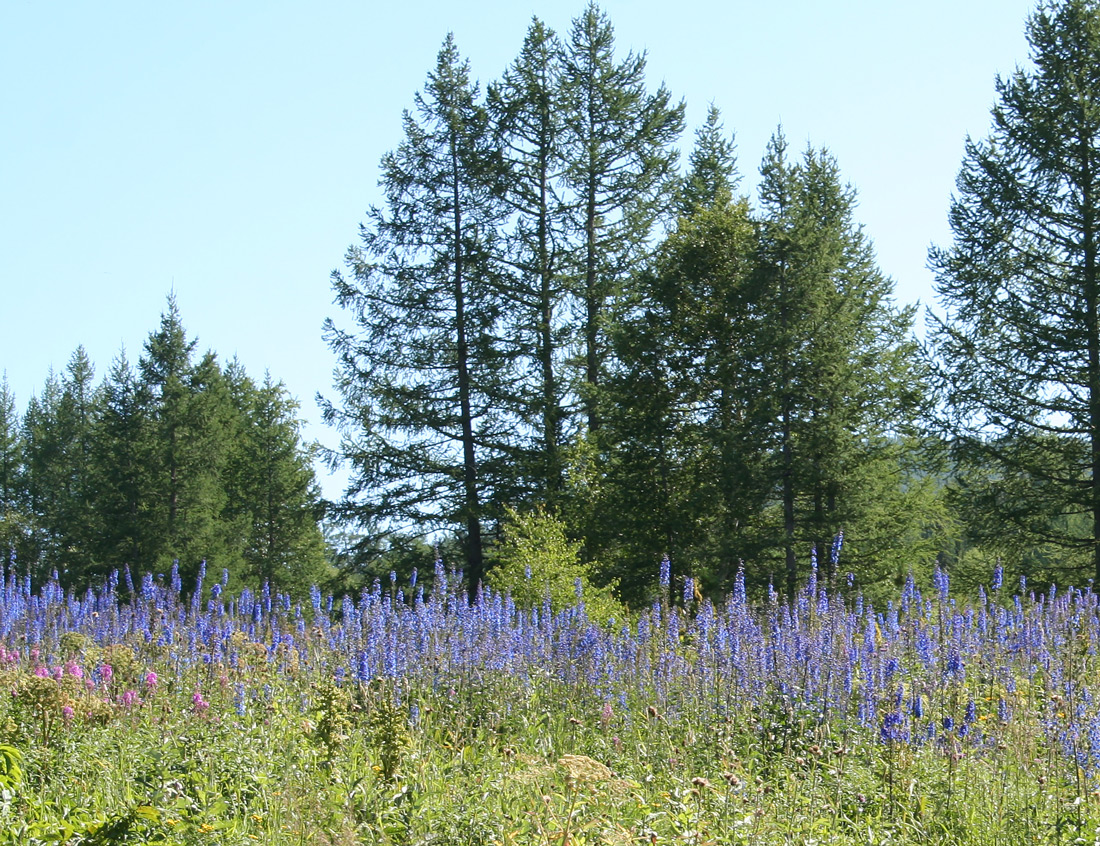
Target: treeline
column 552, row 330
column 544, row 313
column 175, row 460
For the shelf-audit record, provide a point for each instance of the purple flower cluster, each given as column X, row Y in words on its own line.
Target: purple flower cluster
column 923, row 670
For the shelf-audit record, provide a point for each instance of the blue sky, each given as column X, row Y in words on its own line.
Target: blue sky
column 228, row 150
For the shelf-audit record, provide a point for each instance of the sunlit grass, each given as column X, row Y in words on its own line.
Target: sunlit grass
column 140, row 716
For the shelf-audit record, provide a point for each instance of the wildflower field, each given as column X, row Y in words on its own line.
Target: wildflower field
column 150, row 714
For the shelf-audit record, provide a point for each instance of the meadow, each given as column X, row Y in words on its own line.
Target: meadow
column 147, row 713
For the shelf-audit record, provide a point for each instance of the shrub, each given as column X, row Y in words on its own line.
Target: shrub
column 535, row 560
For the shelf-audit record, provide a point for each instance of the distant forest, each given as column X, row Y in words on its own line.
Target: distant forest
column 560, row 347
column 174, row 462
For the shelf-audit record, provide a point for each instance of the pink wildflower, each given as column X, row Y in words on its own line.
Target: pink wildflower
column 129, row 699
column 67, row 714
column 151, row 680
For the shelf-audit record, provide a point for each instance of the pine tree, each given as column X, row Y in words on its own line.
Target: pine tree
column 526, row 107
column 272, row 494
column 845, row 387
column 682, row 478
column 12, row 519
column 712, row 175
column 43, row 474
column 620, row 167
column 187, row 417
column 420, row 374
column 122, row 474
column 1019, row 342
column 74, row 523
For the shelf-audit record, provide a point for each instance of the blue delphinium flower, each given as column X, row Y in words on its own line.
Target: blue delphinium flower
column 894, row 729
column 838, row 543
column 942, row 582
column 954, row 664
column 739, row 596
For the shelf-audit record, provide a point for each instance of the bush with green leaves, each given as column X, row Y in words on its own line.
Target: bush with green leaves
column 536, row 560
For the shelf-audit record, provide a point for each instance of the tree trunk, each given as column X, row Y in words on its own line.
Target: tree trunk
column 475, row 564
column 1092, row 327
column 550, row 421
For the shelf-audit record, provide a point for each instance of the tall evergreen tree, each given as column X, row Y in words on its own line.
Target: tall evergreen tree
column 43, row 475
column 844, row 382
column 620, row 166
column 420, row 375
column 1019, row 342
column 271, row 490
column 12, row 519
column 122, row 473
column 712, row 174
column 74, row 522
column 526, row 107
column 187, row 416
column 682, row 390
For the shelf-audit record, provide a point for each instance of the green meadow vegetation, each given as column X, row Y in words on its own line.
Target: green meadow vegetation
column 149, row 716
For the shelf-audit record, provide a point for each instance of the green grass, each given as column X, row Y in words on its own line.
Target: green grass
column 489, row 763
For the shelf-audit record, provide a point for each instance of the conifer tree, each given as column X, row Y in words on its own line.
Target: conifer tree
column 122, row 474
column 712, row 174
column 420, row 373
column 43, row 474
column 683, row 388
column 844, row 382
column 620, row 166
column 526, row 108
column 1019, row 341
column 272, row 495
column 12, row 519
column 187, row 416
column 75, row 419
